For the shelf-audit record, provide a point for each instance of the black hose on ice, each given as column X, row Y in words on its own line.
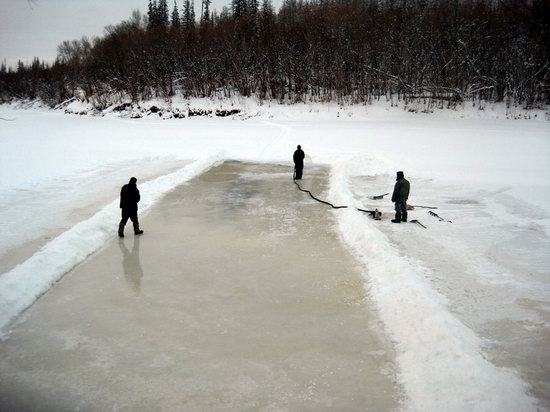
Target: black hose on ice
column 319, row 200
column 373, row 213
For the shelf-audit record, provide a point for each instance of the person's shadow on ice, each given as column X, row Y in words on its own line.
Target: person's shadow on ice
column 131, row 264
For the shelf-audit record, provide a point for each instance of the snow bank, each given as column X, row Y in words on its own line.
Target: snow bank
column 247, row 107
column 80, row 107
column 440, row 363
column 21, row 286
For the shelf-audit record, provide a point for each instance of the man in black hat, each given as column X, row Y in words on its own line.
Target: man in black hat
column 298, row 157
column 129, row 198
column 399, row 197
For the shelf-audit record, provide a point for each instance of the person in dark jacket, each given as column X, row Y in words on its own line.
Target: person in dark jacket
column 298, row 157
column 129, row 198
column 399, row 197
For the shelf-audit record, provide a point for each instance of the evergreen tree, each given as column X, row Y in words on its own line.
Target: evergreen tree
column 152, row 14
column 175, row 16
column 192, row 14
column 267, row 8
column 252, row 7
column 239, row 8
column 35, row 64
column 188, row 14
column 163, row 13
column 20, row 66
column 206, row 10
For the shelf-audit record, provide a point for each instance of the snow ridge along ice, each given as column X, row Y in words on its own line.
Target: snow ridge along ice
column 441, row 367
column 22, row 285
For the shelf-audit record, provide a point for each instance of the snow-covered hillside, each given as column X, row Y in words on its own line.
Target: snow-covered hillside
column 460, row 300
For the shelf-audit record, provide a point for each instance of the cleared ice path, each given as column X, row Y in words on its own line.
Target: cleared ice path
column 238, row 297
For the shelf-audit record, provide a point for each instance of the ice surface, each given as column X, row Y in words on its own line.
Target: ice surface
column 238, row 297
column 22, row 285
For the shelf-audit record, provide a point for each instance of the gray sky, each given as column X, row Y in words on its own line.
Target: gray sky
column 30, row 28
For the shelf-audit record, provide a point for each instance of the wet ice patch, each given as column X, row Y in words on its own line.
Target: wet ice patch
column 263, row 175
column 21, row 286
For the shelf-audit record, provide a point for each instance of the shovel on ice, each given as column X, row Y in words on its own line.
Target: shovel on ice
column 418, row 223
column 412, row 207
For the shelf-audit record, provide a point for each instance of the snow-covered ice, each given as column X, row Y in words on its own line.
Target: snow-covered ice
column 466, row 303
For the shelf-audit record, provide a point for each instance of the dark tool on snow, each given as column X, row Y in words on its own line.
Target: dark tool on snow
column 422, row 207
column 418, row 223
column 379, row 196
column 376, row 214
column 439, row 217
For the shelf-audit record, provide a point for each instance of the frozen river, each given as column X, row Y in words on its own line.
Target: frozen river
column 239, row 296
column 453, row 317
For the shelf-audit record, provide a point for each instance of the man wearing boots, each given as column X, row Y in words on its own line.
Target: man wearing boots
column 399, row 197
column 298, row 158
column 129, row 198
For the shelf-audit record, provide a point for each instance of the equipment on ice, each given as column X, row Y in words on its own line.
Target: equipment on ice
column 375, row 214
column 377, row 197
column 439, row 217
column 412, row 207
column 418, row 223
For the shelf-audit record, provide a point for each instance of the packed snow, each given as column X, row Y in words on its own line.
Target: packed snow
column 456, row 298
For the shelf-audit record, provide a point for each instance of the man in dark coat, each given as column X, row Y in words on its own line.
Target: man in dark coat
column 129, row 198
column 299, row 156
column 399, row 197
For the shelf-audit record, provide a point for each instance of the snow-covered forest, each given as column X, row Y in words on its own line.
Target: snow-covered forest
column 314, row 50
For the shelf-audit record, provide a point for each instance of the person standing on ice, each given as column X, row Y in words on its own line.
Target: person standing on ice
column 399, row 197
column 299, row 156
column 129, row 199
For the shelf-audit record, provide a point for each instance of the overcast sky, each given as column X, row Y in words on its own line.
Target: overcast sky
column 30, row 28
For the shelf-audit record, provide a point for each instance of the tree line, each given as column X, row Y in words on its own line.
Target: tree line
column 309, row 50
